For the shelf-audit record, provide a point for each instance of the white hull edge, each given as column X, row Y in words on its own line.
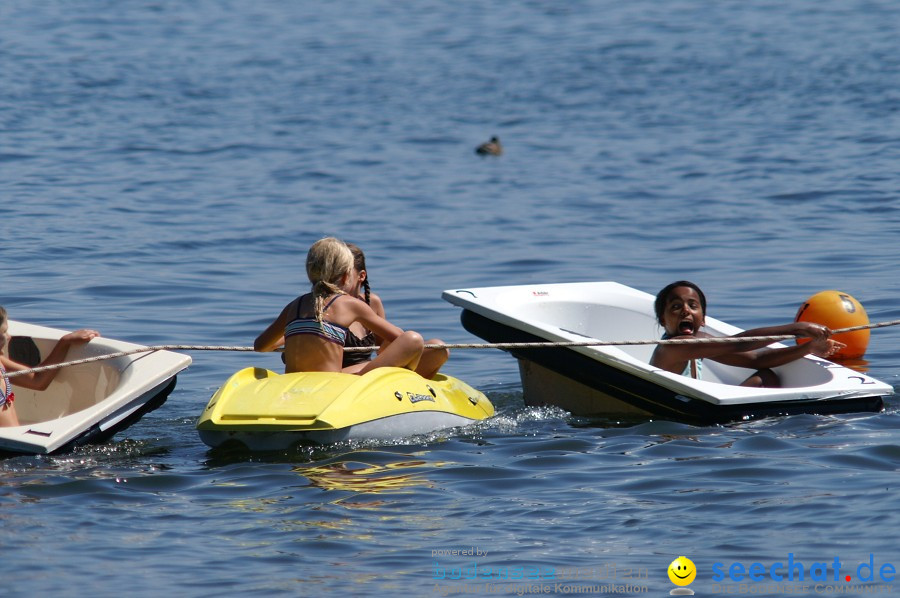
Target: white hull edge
column 397, row 426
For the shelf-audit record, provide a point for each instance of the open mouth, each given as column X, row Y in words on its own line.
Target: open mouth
column 686, row 327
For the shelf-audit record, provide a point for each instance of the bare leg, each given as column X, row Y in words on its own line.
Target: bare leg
column 432, row 359
column 404, row 352
column 763, row 378
column 8, row 416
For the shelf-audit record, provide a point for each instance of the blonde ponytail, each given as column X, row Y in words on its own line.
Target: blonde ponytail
column 327, row 262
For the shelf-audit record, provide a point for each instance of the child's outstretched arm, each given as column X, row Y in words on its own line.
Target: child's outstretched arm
column 41, row 380
column 744, row 354
column 820, row 344
column 771, row 358
column 804, row 329
column 384, row 331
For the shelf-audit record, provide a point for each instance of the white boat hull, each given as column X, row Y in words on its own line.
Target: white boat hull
column 397, row 426
column 87, row 403
column 618, row 381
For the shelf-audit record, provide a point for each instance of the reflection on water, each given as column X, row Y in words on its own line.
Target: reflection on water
column 353, row 476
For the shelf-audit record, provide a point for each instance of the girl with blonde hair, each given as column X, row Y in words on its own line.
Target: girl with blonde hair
column 315, row 326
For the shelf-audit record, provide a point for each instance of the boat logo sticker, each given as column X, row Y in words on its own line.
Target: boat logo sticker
column 415, row 398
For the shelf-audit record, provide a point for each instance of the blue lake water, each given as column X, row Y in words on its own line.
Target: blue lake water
column 165, row 165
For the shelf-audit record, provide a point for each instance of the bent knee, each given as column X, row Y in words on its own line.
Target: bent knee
column 769, row 378
column 412, row 340
column 441, row 350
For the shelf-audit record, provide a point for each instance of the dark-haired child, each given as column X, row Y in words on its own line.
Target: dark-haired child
column 681, row 310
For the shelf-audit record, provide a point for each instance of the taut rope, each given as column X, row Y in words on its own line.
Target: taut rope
column 523, row 345
column 660, row 341
column 149, row 349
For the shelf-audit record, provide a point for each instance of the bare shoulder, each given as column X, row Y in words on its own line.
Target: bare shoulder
column 351, row 303
column 290, row 308
column 294, row 303
column 668, row 356
column 376, row 304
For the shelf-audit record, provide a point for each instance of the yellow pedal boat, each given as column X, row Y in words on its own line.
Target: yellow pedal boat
column 263, row 410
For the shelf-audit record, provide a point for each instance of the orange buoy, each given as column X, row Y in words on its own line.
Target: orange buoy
column 838, row 310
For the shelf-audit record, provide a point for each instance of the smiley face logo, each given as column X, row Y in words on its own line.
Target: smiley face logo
column 682, row 571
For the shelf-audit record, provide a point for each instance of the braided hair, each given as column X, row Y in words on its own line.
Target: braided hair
column 359, row 264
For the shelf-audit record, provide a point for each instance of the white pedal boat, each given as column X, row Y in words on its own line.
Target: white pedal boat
column 86, row 403
column 616, row 381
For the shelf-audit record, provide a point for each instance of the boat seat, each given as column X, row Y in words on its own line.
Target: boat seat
column 24, row 350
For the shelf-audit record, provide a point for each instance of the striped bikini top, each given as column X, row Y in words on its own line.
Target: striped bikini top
column 331, row 332
column 8, row 396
